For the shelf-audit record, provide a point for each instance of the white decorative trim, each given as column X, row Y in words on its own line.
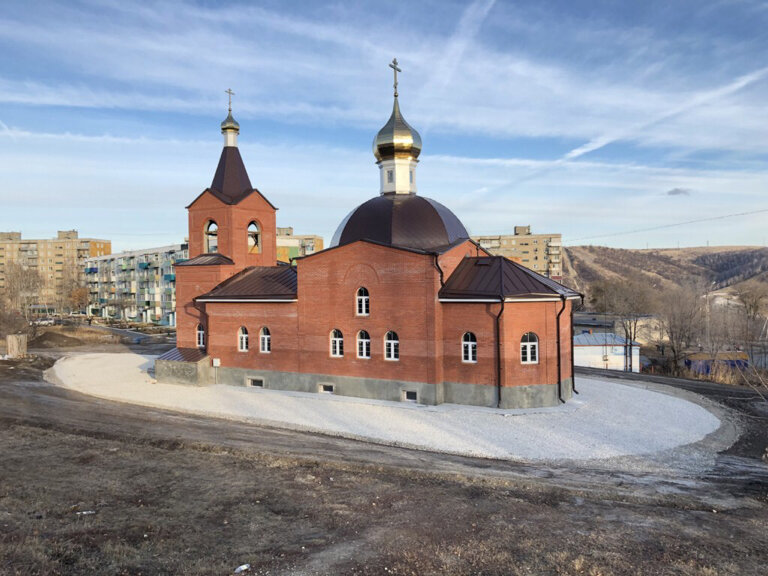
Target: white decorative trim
column 232, row 301
column 496, row 301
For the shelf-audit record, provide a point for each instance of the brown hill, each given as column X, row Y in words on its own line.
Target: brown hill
column 722, row 266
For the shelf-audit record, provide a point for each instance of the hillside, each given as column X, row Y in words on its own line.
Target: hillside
column 724, row 266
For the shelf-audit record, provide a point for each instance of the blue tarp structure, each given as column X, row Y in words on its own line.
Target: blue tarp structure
column 702, row 363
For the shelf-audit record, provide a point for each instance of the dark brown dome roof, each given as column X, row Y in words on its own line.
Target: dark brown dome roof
column 403, row 220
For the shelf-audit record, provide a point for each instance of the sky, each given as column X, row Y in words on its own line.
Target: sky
column 626, row 124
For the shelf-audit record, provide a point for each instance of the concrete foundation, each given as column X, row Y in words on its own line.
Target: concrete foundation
column 202, row 374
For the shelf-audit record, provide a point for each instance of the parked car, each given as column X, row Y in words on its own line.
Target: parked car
column 43, row 322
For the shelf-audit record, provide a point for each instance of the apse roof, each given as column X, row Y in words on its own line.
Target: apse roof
column 256, row 283
column 206, row 260
column 493, row 277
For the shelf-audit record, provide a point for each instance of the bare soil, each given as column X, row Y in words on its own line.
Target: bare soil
column 89, row 486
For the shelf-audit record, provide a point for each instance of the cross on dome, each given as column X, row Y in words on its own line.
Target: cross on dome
column 394, row 67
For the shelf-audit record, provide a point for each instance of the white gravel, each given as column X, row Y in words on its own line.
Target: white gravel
column 605, row 420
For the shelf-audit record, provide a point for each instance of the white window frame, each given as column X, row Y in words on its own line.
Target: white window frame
column 364, row 345
column 362, row 302
column 337, row 344
column 200, row 336
column 390, row 176
column 265, row 341
column 392, row 347
column 469, row 348
column 242, row 339
column 529, row 351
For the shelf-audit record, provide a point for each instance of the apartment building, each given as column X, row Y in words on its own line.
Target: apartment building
column 290, row 245
column 138, row 285
column 59, row 261
column 538, row 252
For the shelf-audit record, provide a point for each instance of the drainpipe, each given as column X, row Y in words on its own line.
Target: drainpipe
column 440, row 270
column 559, row 360
column 573, row 371
column 498, row 354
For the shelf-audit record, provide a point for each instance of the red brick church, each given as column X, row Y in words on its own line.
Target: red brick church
column 402, row 306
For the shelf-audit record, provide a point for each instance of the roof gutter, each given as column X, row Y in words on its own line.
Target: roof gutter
column 559, row 359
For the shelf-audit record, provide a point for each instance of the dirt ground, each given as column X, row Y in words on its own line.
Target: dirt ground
column 89, row 486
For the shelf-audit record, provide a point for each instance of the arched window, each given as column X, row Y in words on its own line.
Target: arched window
column 469, row 348
column 265, row 341
column 211, row 237
column 337, row 344
column 363, row 344
column 200, row 336
column 529, row 348
column 363, row 302
column 254, row 238
column 391, row 346
column 242, row 339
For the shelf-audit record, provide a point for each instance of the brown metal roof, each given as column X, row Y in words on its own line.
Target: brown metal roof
column 183, row 355
column 402, row 220
column 206, row 260
column 494, row 277
column 257, row 283
column 231, row 183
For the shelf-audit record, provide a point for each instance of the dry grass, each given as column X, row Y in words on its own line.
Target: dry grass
column 176, row 509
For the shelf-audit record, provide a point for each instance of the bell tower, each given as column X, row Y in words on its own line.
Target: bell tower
column 231, row 218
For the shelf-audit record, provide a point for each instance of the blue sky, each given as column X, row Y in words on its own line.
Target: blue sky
column 593, row 119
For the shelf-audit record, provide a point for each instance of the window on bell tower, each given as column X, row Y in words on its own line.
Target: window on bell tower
column 254, row 238
column 211, row 237
column 390, row 176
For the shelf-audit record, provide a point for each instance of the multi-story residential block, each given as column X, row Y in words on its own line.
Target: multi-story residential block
column 538, row 252
column 290, row 245
column 139, row 285
column 59, row 261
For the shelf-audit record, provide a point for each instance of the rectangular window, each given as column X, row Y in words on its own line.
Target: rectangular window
column 363, row 348
column 410, row 396
column 255, row 382
column 411, row 176
column 390, row 176
column 326, row 388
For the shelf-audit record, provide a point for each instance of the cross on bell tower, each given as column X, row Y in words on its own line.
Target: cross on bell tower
column 230, row 93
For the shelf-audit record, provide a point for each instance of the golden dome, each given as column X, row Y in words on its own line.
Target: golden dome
column 230, row 123
column 396, row 139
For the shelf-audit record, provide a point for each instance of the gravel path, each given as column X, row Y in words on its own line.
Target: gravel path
column 605, row 420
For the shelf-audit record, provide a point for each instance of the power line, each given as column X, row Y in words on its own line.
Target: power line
column 664, row 226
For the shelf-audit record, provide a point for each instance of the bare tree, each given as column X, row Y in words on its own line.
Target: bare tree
column 680, row 313
column 22, row 287
column 753, row 297
column 631, row 301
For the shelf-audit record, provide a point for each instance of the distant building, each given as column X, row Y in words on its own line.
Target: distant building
column 58, row 260
column 605, row 350
column 290, row 245
column 139, row 285
column 538, row 252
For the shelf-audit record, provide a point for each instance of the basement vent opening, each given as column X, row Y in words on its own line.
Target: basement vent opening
column 410, row 396
column 326, row 388
column 255, row 382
